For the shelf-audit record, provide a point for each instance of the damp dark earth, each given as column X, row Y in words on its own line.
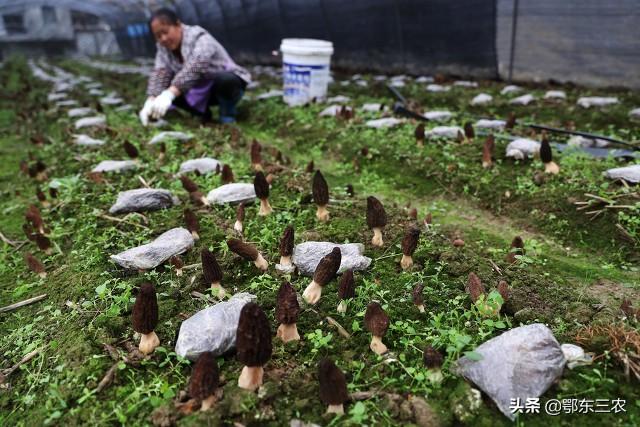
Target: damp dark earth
column 152, row 278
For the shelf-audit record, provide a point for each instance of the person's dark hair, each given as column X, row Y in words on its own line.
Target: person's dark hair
column 165, row 15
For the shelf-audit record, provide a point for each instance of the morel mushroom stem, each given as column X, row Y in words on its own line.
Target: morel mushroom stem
column 312, row 293
column 218, row 290
column 251, row 378
column 285, row 261
column 377, row 346
column 342, row 307
column 238, row 226
column 148, row 342
column 208, row 402
column 487, row 162
column 322, row 213
column 265, row 207
column 335, row 409
column 377, row 237
column 552, row 168
column 288, row 332
column 406, row 262
column 421, row 308
column 261, row 263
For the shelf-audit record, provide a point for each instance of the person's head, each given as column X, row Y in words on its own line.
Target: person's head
column 166, row 28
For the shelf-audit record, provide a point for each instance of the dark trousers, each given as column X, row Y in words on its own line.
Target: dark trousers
column 226, row 91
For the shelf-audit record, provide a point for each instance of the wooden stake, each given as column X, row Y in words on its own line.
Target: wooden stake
column 22, row 303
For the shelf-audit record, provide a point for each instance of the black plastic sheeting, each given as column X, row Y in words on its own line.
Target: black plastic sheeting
column 407, row 36
column 592, row 42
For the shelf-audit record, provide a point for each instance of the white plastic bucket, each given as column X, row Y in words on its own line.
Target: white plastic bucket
column 305, row 69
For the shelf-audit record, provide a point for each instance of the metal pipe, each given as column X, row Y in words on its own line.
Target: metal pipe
column 514, row 28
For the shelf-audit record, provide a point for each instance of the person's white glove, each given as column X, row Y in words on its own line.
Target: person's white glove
column 146, row 111
column 162, row 103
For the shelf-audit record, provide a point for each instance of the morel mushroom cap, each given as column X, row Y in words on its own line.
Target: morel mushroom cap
column 475, row 288
column 256, row 148
column 130, row 149
column 333, row 384
column 417, row 294
column 410, row 241
column 347, row 285
column 376, row 320
column 210, row 267
column 468, row 130
column 376, row 216
column 145, row 310
column 40, row 195
column 227, row 174
column 28, row 231
column 503, row 290
column 328, row 267
column 43, row 242
column 261, row 186
column 253, row 336
column 240, row 212
column 188, row 184
column 191, row 220
column 490, row 143
column 53, row 192
column 419, row 132
column 205, row 376
column 320, row 189
column 310, row 167
column 34, row 264
column 33, row 215
column 286, row 242
column 349, row 190
column 432, row 358
column 511, row 121
column 245, row 250
column 545, row 151
column 287, row 307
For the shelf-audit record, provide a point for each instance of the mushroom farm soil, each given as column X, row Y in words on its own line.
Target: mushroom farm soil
column 83, row 327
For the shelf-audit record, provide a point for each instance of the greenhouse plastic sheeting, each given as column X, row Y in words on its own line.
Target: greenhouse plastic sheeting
column 409, row 36
column 583, row 41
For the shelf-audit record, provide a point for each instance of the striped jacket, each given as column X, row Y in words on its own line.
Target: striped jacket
column 203, row 57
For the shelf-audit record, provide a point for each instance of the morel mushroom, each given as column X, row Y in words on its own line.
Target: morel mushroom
column 44, row 244
column 162, row 148
column 418, row 300
column 42, row 198
column 145, row 318
column 487, row 152
column 409, row 245
column 130, row 149
column 193, row 225
column 256, row 157
column 261, row 187
column 310, row 167
column 227, row 175
column 333, row 386
column 177, row 263
column 286, row 247
column 248, row 252
column 193, row 190
column 428, row 219
column 33, row 215
column 253, row 344
column 503, row 290
column 517, row 249
column 204, row 380
column 469, row 133
column 287, row 310
column 53, row 192
column 376, row 321
column 320, row 191
column 212, row 272
column 511, row 121
column 419, row 134
column 474, row 287
column 433, row 359
column 346, row 290
column 376, row 220
column 547, row 158
column 35, row 265
column 239, row 218
column 325, row 272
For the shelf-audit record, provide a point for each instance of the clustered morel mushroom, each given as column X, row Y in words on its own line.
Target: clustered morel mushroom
column 193, row 225
column 212, row 273
column 376, row 220
column 418, row 299
column 409, row 245
column 547, row 157
column 326, row 270
column 346, row 290
column 333, row 386
column 433, row 359
column 253, row 344
column 177, row 263
column 320, row 191
column 286, row 249
column 130, row 149
column 35, row 265
column 287, row 310
column 418, row 133
column 204, row 380
column 469, row 133
column 248, row 252
column 239, row 218
column 376, row 321
column 261, row 187
column 517, row 249
column 487, row 152
column 227, row 175
column 193, row 190
column 256, row 156
column 35, row 218
column 145, row 318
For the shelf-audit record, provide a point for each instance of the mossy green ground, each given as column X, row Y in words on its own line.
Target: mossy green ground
column 575, row 273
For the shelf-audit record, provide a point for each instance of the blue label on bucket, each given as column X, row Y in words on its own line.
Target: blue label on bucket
column 298, row 81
